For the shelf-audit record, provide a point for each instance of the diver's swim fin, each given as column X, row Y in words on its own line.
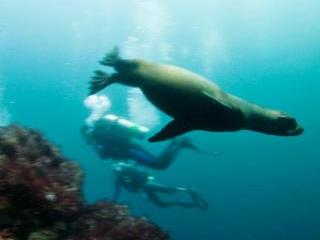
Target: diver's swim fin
column 111, row 57
column 172, row 129
column 199, row 201
column 99, row 81
column 186, row 142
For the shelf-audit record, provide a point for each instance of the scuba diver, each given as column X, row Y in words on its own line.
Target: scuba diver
column 134, row 180
column 112, row 137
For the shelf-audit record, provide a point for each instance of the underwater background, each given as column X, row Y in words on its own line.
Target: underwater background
column 266, row 51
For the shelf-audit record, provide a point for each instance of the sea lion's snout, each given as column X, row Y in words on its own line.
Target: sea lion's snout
column 299, row 130
column 296, row 131
column 289, row 126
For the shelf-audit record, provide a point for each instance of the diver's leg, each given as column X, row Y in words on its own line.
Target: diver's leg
column 196, row 200
column 156, row 188
column 161, row 188
column 140, row 155
column 161, row 162
column 170, row 153
column 155, row 199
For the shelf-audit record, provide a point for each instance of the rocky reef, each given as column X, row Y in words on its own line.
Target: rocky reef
column 41, row 197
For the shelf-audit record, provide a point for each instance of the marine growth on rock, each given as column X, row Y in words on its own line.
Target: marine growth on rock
column 41, row 196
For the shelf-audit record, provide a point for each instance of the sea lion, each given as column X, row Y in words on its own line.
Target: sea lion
column 193, row 102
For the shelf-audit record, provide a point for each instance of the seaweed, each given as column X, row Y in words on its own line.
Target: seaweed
column 41, row 196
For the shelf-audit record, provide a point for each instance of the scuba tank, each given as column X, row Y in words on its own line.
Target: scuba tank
column 129, row 128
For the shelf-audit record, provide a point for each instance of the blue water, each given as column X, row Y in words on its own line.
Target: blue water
column 260, row 187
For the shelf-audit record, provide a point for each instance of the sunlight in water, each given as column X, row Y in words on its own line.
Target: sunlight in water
column 140, row 110
column 148, row 39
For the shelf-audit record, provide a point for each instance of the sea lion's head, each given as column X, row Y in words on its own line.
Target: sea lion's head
column 274, row 122
column 285, row 125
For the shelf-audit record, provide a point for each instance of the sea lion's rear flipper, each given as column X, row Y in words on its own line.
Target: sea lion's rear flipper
column 99, row 81
column 217, row 102
column 111, row 57
column 172, row 129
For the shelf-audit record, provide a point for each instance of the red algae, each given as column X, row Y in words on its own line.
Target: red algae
column 105, row 220
column 41, row 196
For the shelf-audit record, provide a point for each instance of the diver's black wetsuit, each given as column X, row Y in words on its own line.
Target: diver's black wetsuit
column 112, row 141
column 135, row 180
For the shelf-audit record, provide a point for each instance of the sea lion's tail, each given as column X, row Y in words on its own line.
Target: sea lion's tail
column 111, row 57
column 99, row 81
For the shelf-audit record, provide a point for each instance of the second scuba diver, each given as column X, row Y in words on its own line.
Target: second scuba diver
column 134, row 180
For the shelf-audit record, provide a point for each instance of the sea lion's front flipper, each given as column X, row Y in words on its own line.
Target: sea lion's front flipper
column 100, row 80
column 217, row 102
column 172, row 129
